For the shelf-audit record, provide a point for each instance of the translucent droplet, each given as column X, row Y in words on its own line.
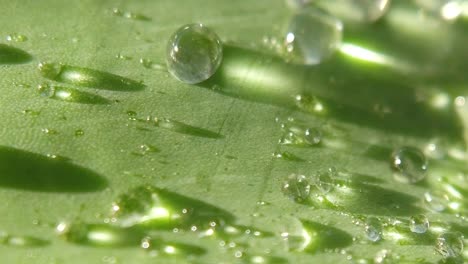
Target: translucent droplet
column 311, row 37
column 373, row 229
column 435, row 201
column 130, row 15
column 324, row 181
column 450, row 244
column 447, row 9
column 297, row 188
column 79, row 132
column 49, row 131
column 313, row 136
column 419, row 224
column 409, row 164
column 16, row 37
column 309, row 104
column 385, row 256
column 149, row 64
column 194, row 53
column 357, row 10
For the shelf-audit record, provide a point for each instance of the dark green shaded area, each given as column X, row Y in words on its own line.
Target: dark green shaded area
column 345, row 93
column 12, row 55
column 24, row 170
column 324, row 237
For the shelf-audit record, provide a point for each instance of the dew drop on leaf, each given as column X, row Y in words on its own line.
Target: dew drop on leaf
column 297, row 188
column 450, row 244
column 373, row 229
column 311, row 37
column 419, row 224
column 194, row 53
column 409, row 165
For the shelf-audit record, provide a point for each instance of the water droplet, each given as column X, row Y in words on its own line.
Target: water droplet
column 312, row 36
column 149, row 64
column 12, row 55
column 16, row 37
column 409, row 164
column 313, row 136
column 21, row 241
column 435, row 200
column 385, row 256
column 30, row 112
column 156, row 247
column 324, row 181
column 357, row 10
column 49, row 131
column 286, row 155
column 373, row 229
column 71, row 95
column 299, row 136
column 180, row 127
column 447, row 9
column 419, row 224
column 87, row 77
column 146, row 149
column 450, row 244
column 79, row 132
column 130, row 15
column 309, row 104
column 120, row 56
column 194, row 53
column 153, row 207
column 297, row 188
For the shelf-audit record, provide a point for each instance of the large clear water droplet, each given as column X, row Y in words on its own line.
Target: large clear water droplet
column 297, row 188
column 409, row 164
column 312, row 36
column 419, row 224
column 194, row 53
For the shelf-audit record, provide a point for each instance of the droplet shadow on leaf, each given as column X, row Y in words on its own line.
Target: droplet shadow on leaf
column 12, row 55
column 71, row 95
column 25, row 170
column 86, row 77
column 260, row 77
column 324, row 237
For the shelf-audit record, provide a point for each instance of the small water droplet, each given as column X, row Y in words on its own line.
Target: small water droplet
column 309, row 104
column 129, row 15
column 30, row 112
column 286, row 155
column 313, row 136
column 419, row 224
column 312, row 36
column 79, row 132
column 49, row 131
column 385, row 256
column 16, row 37
column 450, row 244
column 21, row 241
column 324, row 181
column 86, row 77
column 194, row 53
column 373, row 229
column 297, row 188
column 409, row 165
column 120, row 56
column 149, row 64
column 435, row 200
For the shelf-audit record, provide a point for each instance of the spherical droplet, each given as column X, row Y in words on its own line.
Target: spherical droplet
column 194, row 53
column 450, row 244
column 312, row 36
column 297, row 188
column 409, row 164
column 419, row 224
column 312, row 136
column 373, row 229
column 324, row 181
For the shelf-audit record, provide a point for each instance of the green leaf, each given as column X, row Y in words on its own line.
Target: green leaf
column 106, row 158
